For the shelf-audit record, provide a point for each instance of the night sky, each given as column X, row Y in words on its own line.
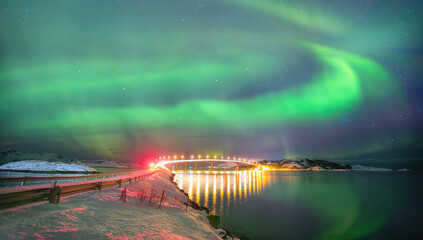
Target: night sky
column 134, row 80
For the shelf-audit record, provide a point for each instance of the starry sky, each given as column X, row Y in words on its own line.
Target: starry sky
column 134, row 80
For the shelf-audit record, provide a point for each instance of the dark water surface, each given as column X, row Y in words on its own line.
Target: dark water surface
column 313, row 205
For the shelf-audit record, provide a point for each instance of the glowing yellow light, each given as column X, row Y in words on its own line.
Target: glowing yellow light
column 239, row 159
column 221, row 157
column 151, row 165
column 160, row 158
column 214, row 172
column 182, row 156
column 199, row 156
column 234, row 158
column 192, row 156
column 174, row 157
column 229, row 158
column 168, row 157
column 198, row 171
column 207, row 156
column 215, row 156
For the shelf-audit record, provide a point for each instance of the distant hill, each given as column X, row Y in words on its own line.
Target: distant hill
column 8, row 156
column 316, row 165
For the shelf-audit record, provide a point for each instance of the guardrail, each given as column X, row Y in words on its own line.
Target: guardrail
column 17, row 196
column 25, row 179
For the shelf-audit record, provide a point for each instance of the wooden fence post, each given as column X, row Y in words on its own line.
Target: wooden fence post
column 100, row 184
column 123, row 195
column 161, row 199
column 54, row 195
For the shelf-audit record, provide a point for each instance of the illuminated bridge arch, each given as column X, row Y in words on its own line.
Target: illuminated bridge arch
column 211, row 161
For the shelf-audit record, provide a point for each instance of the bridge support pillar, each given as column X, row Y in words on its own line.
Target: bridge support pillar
column 177, row 167
column 195, row 168
column 237, row 167
column 185, row 166
column 211, row 166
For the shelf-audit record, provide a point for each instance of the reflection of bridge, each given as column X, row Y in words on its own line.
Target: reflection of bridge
column 211, row 161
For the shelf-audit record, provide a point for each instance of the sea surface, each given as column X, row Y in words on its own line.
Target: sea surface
column 312, row 205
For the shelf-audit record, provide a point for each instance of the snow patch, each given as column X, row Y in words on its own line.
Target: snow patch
column 43, row 166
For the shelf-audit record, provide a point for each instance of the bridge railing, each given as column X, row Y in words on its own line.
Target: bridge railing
column 17, row 196
column 25, row 179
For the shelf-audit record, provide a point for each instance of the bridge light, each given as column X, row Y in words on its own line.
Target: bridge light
column 182, row 157
column 152, row 165
column 221, row 157
column 199, row 156
column 234, row 158
column 229, row 158
column 168, row 157
column 239, row 159
column 207, row 156
column 174, row 157
column 215, row 156
column 160, row 158
column 192, row 156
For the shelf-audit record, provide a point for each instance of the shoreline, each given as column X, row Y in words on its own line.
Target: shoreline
column 211, row 217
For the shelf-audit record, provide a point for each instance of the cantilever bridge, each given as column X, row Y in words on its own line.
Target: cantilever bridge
column 186, row 162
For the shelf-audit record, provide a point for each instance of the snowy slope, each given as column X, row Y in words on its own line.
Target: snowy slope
column 102, row 215
column 13, row 156
column 43, row 166
column 305, row 164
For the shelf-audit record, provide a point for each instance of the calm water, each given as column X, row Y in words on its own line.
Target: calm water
column 313, row 205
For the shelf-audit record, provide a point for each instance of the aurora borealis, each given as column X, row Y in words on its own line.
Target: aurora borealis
column 131, row 80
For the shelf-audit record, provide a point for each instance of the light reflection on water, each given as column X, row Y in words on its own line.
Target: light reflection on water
column 227, row 189
column 311, row 205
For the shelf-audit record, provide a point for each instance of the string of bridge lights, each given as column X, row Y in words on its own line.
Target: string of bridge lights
column 192, row 157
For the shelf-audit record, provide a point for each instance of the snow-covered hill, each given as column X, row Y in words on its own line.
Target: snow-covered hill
column 317, row 165
column 305, row 164
column 43, row 166
column 8, row 156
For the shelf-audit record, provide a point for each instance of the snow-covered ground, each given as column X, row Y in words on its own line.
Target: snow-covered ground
column 7, row 156
column 367, row 168
column 103, row 215
column 42, row 166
